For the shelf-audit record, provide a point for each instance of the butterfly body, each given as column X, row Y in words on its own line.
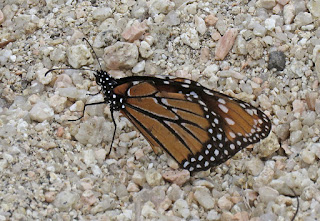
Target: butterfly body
column 198, row 127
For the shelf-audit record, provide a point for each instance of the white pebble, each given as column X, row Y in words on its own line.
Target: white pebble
column 79, row 55
column 41, row 112
column 204, row 198
column 200, row 25
column 180, row 208
column 191, row 38
column 145, row 50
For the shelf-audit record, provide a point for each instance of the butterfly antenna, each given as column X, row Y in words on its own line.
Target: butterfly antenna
column 95, row 54
column 58, row 69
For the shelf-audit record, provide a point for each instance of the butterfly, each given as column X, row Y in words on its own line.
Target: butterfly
column 198, row 127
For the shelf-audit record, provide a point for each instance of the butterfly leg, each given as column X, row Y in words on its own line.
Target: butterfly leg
column 84, row 109
column 95, row 93
column 114, row 131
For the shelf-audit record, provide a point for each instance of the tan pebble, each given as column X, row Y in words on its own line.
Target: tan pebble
column 283, row 2
column 138, row 154
column 277, row 9
column 211, row 20
column 215, row 35
column 88, row 197
column 183, row 74
column 135, row 31
column 311, row 100
column 177, row 177
column 132, row 187
column 241, row 216
column 1, row 17
column 298, row 106
column 60, row 131
column 257, row 80
column 224, row 203
column 204, row 54
column 225, row 43
column 49, row 196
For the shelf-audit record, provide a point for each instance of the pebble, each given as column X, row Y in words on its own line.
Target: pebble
column 277, row 60
column 288, row 13
column 225, row 43
column 308, row 157
column 204, row 198
column 303, row 18
column 79, row 55
column 102, row 14
column 66, row 200
column 213, row 215
column 191, row 38
column 314, row 8
column 211, row 20
column 267, row 4
column 172, row 18
column 139, row 178
column 268, row 194
column 58, row 103
column 180, row 208
column 254, row 166
column 121, row 55
column 41, row 112
column 1, row 17
column 177, row 177
column 224, row 203
column 200, row 25
column 145, row 49
column 153, row 177
column 174, row 192
column 135, row 31
column 255, row 48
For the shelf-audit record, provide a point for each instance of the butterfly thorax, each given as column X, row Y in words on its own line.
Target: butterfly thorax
column 107, row 84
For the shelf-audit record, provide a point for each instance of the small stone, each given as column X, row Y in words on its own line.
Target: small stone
column 148, row 210
column 309, row 118
column 78, row 106
column 308, row 157
column 303, row 18
column 1, row 17
column 213, row 215
column 180, row 208
column 139, row 178
column 63, row 81
column 211, row 20
column 267, row 4
column 313, row 6
column 72, row 92
column 79, row 55
column 174, row 192
column 204, row 198
column 145, row 49
column 139, row 67
column 60, row 131
column 49, row 196
column 259, row 30
column 102, row 14
column 268, row 194
column 225, row 43
column 172, row 18
column 298, row 106
column 277, row 60
column 311, row 98
column 121, row 190
column 41, row 112
column 135, row 31
column 270, row 24
column 232, row 74
column 121, row 55
column 161, row 6
column 42, row 78
column 191, row 38
column 153, row 177
column 200, row 25
column 176, row 176
column 65, row 200
column 254, row 166
column 295, row 137
column 88, row 197
column 132, row 187
column 224, row 203
column 255, row 48
column 288, row 13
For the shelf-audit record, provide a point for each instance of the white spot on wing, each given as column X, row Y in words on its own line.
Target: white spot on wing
column 223, row 108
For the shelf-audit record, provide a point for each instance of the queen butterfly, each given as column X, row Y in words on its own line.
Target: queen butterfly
column 198, row 127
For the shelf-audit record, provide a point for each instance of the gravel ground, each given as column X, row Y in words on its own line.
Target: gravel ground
column 265, row 52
